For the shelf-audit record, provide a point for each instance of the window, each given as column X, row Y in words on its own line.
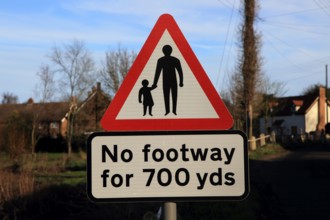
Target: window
column 54, row 125
column 294, row 130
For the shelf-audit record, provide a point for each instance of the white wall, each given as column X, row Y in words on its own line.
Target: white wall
column 289, row 121
column 328, row 115
column 294, row 121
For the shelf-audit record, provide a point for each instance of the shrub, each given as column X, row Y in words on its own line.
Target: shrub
column 17, row 133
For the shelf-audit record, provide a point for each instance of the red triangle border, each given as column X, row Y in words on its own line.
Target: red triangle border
column 109, row 121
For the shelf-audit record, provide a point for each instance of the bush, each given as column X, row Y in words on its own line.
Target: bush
column 51, row 145
column 79, row 143
column 17, row 134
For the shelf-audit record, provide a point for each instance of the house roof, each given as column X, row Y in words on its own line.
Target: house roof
column 298, row 105
column 49, row 111
column 53, row 111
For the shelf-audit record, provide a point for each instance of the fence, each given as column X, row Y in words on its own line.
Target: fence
column 261, row 141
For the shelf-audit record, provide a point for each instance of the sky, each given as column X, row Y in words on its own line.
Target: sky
column 294, row 34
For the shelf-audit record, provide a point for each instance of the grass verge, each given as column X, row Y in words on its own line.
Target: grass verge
column 266, row 151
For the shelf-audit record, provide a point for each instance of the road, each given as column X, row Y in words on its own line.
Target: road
column 295, row 185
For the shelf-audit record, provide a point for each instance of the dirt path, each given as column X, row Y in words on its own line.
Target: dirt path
column 295, row 185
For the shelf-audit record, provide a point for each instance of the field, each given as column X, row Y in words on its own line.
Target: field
column 53, row 186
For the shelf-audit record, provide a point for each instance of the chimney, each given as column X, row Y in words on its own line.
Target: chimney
column 98, row 86
column 321, row 110
column 30, row 101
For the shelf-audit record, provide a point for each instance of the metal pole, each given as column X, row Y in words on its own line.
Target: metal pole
column 326, row 91
column 169, row 211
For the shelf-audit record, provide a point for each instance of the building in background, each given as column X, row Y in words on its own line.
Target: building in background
column 48, row 120
column 297, row 115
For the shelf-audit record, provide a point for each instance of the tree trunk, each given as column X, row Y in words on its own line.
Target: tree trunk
column 70, row 132
column 250, row 114
column 70, row 125
column 33, row 138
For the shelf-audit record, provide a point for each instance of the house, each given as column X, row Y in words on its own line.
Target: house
column 48, row 115
column 297, row 115
column 89, row 112
column 48, row 120
column 19, row 122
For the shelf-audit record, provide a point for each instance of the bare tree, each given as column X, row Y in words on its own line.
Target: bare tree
column 116, row 66
column 75, row 64
column 270, row 90
column 9, row 98
column 235, row 97
column 45, row 90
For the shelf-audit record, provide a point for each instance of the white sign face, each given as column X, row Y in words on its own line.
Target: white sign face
column 191, row 99
column 150, row 166
column 166, row 88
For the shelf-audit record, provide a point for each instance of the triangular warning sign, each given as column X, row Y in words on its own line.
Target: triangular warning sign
column 166, row 88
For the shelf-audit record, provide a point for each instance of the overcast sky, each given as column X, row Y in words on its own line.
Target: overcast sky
column 295, row 36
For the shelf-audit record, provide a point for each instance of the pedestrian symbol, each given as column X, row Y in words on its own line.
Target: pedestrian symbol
column 169, row 66
column 166, row 88
column 145, row 94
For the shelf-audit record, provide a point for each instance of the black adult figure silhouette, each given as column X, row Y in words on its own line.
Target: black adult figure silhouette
column 168, row 65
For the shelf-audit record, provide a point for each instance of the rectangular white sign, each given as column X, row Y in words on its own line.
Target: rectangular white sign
column 177, row 165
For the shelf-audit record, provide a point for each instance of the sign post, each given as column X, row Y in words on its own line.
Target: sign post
column 170, row 211
column 167, row 137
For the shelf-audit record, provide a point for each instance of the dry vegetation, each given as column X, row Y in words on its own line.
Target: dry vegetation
column 25, row 174
column 13, row 185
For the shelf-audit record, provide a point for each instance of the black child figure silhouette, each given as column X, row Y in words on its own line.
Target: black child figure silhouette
column 145, row 92
column 169, row 66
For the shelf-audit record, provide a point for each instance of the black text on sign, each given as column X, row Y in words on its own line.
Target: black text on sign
column 194, row 165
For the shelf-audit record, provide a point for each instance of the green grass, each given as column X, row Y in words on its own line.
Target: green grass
column 267, row 150
column 60, row 169
column 66, row 177
column 49, row 168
